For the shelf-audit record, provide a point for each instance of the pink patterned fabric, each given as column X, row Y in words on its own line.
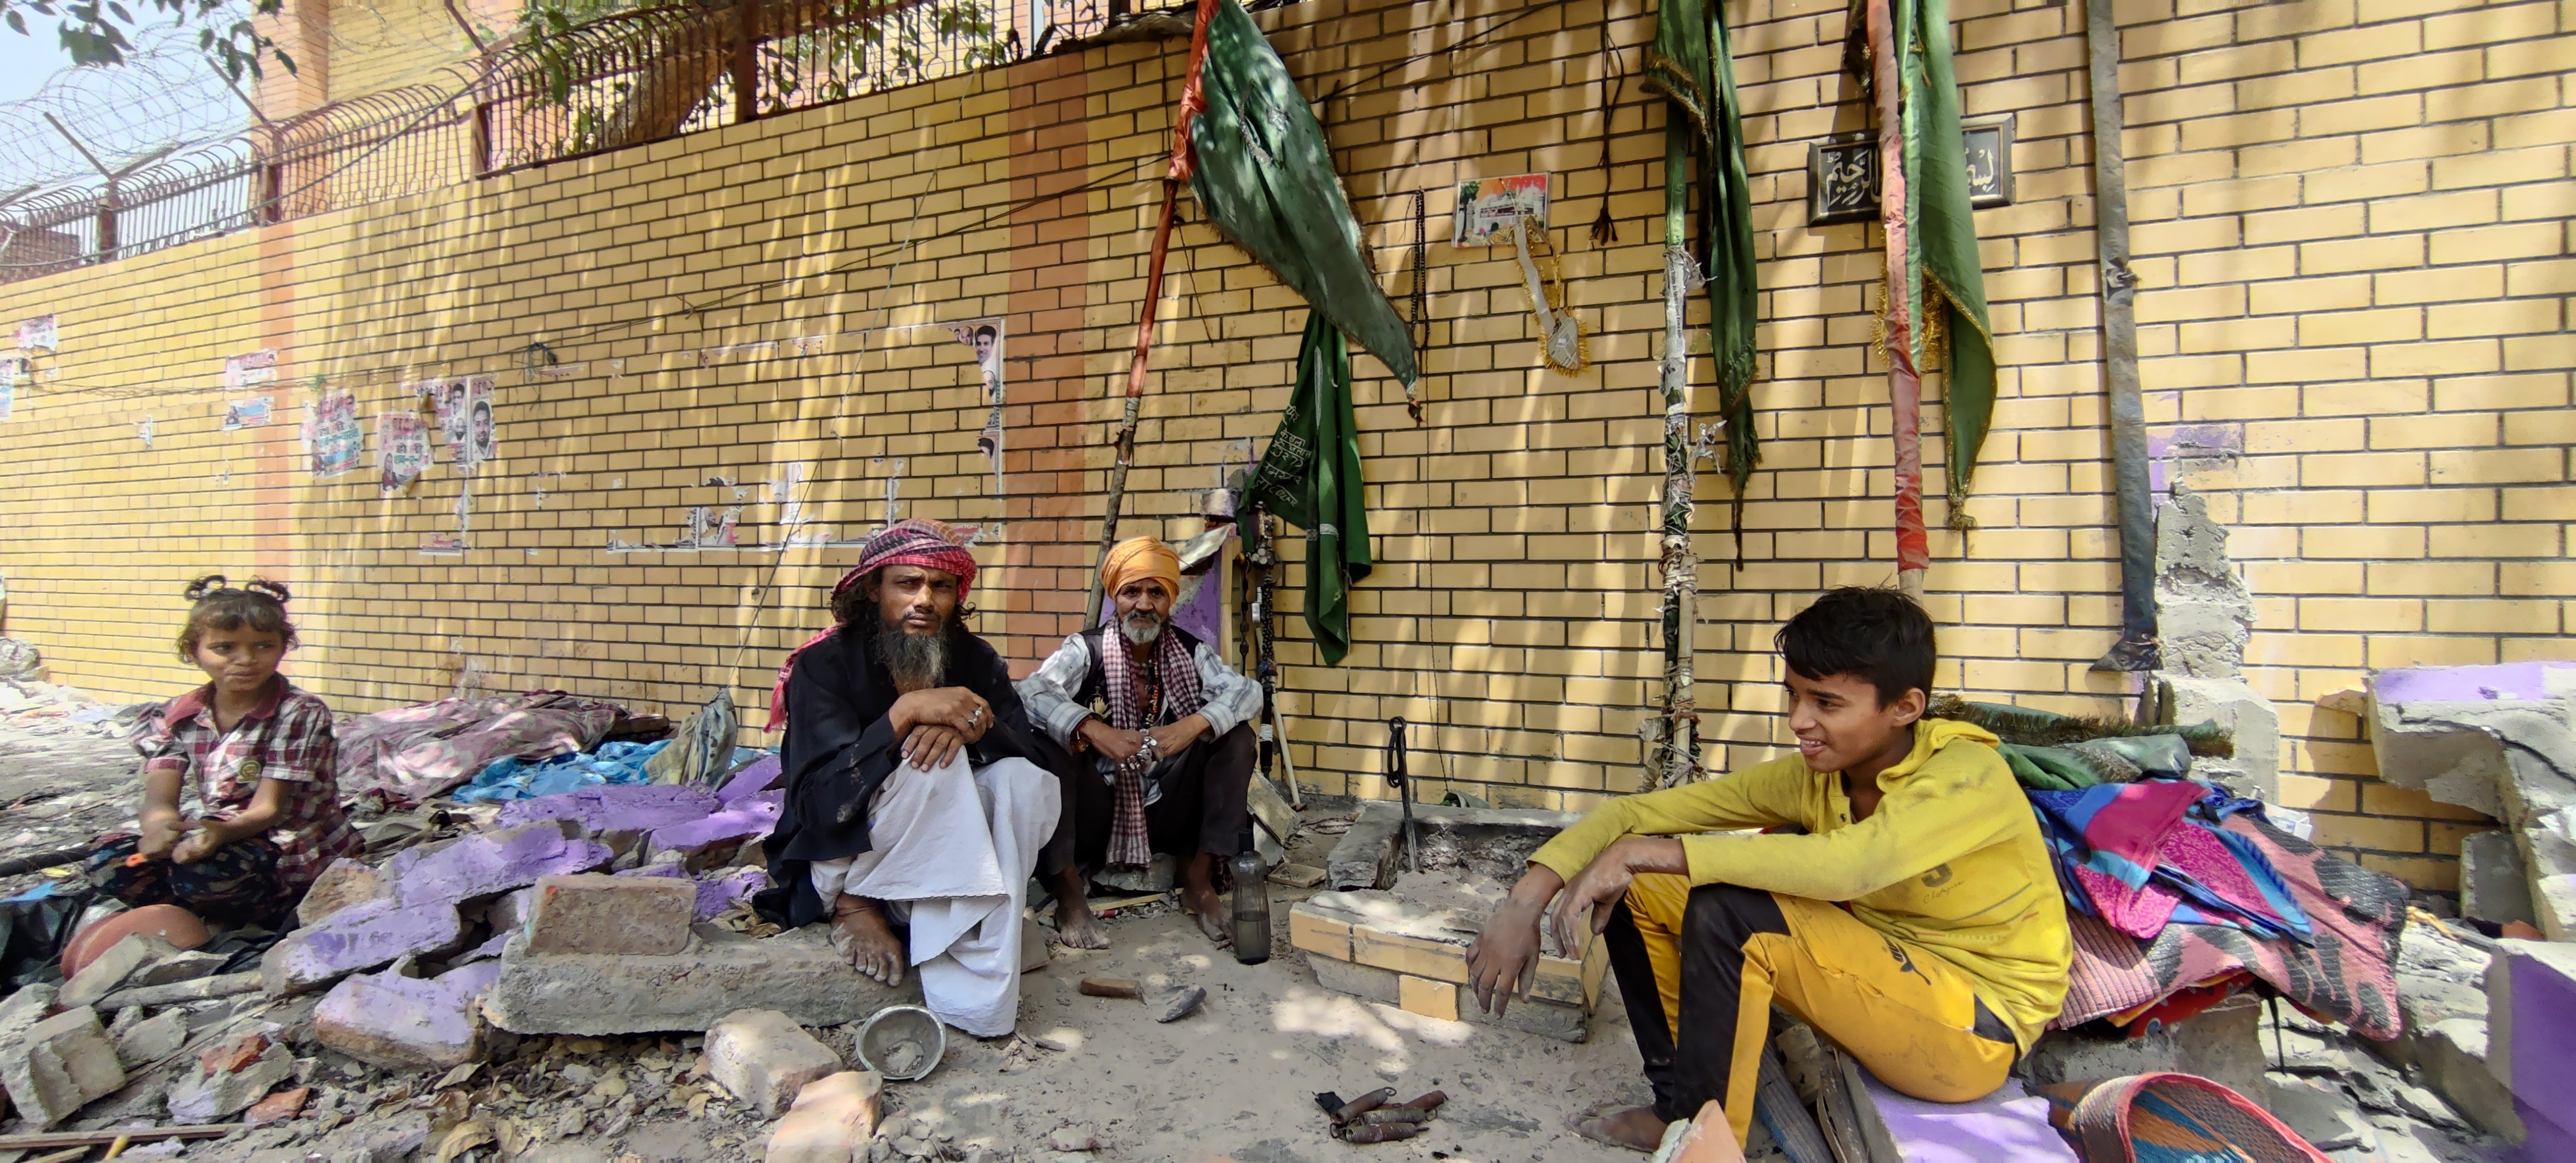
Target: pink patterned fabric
column 427, row 749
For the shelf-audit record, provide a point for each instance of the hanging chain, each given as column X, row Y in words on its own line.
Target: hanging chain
column 1419, row 301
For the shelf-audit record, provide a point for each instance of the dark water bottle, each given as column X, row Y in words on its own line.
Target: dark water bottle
column 1251, row 904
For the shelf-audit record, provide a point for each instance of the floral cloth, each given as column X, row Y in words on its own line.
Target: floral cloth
column 287, row 737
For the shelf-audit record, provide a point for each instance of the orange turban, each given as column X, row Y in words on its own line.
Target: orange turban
column 1141, row 557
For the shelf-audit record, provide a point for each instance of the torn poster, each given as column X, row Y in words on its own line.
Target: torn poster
column 36, row 334
column 442, row 545
column 984, row 337
column 711, row 528
column 332, row 431
column 244, row 371
column 402, row 451
column 250, row 413
column 482, row 435
column 143, row 431
column 447, row 401
column 796, row 510
column 14, row 373
column 1488, row 207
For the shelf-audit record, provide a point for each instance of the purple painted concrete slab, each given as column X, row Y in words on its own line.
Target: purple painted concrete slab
column 2544, row 1033
column 750, row 781
column 489, row 949
column 2004, row 1127
column 614, row 807
column 361, row 936
column 753, row 818
column 481, row 866
column 722, row 891
column 2465, row 684
column 468, row 982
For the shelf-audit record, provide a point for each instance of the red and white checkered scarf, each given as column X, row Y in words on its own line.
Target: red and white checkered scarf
column 1176, row 677
column 922, row 542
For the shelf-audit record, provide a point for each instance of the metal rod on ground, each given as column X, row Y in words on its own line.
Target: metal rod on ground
column 42, row 860
column 2137, row 648
column 1126, row 442
column 1680, row 756
column 103, row 1138
column 1904, row 381
column 1262, row 622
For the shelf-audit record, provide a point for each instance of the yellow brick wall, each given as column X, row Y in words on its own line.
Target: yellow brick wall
column 2350, row 226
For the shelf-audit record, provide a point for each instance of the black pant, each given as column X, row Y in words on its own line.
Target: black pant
column 1687, row 1072
column 1205, row 805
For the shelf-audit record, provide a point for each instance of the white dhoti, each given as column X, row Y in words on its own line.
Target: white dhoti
column 951, row 853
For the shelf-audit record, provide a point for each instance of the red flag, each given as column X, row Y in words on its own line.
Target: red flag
column 1193, row 98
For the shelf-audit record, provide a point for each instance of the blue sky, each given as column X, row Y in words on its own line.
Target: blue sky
column 25, row 61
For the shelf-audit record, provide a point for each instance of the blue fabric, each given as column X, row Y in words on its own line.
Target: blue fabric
column 2121, row 844
column 517, row 779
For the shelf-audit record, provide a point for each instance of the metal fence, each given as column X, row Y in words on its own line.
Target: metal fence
column 625, row 80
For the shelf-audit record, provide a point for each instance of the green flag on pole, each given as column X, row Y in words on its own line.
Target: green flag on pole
column 1692, row 64
column 1310, row 476
column 1265, row 174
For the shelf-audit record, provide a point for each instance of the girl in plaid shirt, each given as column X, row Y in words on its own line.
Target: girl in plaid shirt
column 260, row 758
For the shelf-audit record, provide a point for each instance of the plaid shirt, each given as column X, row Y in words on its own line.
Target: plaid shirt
column 286, row 737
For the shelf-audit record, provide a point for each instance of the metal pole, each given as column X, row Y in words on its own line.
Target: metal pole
column 1126, row 442
column 1904, row 380
column 2137, row 648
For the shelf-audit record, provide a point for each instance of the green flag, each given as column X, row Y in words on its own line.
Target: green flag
column 1265, row 174
column 1693, row 65
column 1943, row 247
column 1310, row 476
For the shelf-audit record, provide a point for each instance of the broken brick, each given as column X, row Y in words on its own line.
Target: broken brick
column 228, row 1078
column 278, row 1107
column 356, row 939
column 611, row 914
column 763, row 1057
column 109, row 970
column 60, row 1065
column 403, row 1023
column 831, row 1120
column 344, row 883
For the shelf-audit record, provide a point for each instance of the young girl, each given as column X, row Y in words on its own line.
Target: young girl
column 260, row 756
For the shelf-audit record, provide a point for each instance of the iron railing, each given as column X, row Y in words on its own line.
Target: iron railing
column 624, row 80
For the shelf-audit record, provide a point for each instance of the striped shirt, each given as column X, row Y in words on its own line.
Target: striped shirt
column 1054, row 691
column 286, row 737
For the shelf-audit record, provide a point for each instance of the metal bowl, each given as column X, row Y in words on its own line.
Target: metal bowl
column 903, row 1043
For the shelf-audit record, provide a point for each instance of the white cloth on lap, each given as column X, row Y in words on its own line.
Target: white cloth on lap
column 952, row 852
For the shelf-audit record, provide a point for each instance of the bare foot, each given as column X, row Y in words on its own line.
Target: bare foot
column 860, row 933
column 1635, row 1127
column 1074, row 924
column 1199, row 899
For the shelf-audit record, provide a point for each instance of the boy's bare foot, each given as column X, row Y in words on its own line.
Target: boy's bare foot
column 1633, row 1127
column 1074, row 924
column 1199, row 899
column 860, row 933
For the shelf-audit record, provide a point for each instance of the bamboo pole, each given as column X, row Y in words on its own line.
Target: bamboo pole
column 1904, row 380
column 1679, row 761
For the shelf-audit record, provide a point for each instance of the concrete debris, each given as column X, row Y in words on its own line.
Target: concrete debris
column 485, row 865
column 2222, row 1044
column 109, row 970
column 184, row 965
column 344, row 883
column 2494, row 886
column 1072, row 1139
column 151, row 1039
column 2531, row 1012
column 614, row 808
column 598, row 914
column 1158, row 876
column 795, row 973
column 59, row 1065
column 278, row 1107
column 831, row 1120
column 25, row 1008
column 764, row 1058
column 403, row 1023
column 360, row 938
column 227, row 1079
column 2204, row 616
column 752, row 817
column 182, row 992
column 2320, row 1114
column 2500, row 740
column 508, row 912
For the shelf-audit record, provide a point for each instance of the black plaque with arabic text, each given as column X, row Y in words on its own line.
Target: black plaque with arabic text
column 1842, row 172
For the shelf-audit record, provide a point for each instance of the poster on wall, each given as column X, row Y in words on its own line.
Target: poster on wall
column 14, row 374
column 252, row 370
column 334, row 434
column 402, row 451
column 250, row 413
column 984, row 338
column 1487, row 207
column 482, row 435
column 36, row 334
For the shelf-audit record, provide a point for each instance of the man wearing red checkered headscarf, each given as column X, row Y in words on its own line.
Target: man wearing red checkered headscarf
column 916, row 789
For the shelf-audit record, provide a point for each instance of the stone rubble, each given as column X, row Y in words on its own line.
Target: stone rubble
column 58, row 1065
column 764, row 1058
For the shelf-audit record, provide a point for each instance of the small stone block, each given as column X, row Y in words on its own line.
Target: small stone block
column 184, row 965
column 109, row 970
column 358, row 938
column 796, row 973
column 1431, row 999
column 830, row 1122
column 1318, row 934
column 152, row 1039
column 764, row 1058
column 60, row 1065
column 226, row 1080
column 400, row 1023
column 612, row 914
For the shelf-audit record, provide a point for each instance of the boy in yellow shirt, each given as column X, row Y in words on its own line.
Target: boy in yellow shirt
column 1916, row 920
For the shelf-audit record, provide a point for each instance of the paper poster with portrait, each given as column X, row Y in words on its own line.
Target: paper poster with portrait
column 447, row 397
column 37, row 334
column 482, row 429
column 402, row 451
column 335, row 438
column 984, row 338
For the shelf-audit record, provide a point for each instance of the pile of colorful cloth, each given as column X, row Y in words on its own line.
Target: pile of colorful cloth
column 417, row 753
column 2182, row 894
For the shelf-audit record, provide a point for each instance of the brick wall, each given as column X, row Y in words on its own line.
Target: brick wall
column 2350, row 224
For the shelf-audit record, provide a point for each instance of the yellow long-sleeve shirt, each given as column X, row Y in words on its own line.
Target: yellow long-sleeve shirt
column 1951, row 863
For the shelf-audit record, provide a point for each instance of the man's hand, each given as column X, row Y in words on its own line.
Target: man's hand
column 1177, row 737
column 1583, row 910
column 161, row 833
column 962, row 711
column 1503, row 959
column 1113, row 744
column 931, row 745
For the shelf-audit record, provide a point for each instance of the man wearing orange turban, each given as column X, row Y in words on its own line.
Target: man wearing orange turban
column 1167, row 728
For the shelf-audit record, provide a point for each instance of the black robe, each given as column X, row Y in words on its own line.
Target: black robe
column 840, row 746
